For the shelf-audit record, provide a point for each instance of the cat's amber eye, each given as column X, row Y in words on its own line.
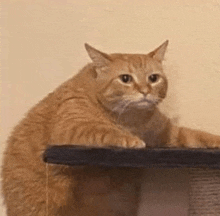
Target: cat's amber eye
column 126, row 78
column 153, row 78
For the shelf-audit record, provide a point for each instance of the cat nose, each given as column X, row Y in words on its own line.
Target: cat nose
column 144, row 91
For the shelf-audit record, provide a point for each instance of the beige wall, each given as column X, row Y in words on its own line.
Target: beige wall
column 42, row 46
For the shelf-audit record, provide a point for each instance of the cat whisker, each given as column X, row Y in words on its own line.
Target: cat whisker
column 122, row 108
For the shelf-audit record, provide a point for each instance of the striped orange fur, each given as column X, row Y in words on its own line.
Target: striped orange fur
column 112, row 101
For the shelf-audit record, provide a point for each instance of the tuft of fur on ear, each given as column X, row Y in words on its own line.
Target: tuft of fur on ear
column 158, row 53
column 99, row 58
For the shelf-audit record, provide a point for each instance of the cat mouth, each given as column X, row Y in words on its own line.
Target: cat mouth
column 144, row 102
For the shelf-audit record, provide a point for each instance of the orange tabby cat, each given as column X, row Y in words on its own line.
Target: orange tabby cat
column 110, row 102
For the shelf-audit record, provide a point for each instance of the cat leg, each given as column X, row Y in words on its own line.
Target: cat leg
column 186, row 137
column 86, row 125
column 95, row 134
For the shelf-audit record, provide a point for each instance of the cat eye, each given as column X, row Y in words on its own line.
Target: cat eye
column 126, row 78
column 153, row 78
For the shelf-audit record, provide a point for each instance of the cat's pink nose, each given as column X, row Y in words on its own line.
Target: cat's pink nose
column 144, row 91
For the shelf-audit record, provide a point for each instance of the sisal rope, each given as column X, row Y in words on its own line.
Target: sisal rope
column 204, row 192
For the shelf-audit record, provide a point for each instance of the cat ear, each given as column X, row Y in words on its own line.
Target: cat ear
column 100, row 59
column 158, row 53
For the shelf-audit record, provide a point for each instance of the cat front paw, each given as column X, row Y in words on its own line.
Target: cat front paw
column 136, row 143
column 132, row 142
column 122, row 140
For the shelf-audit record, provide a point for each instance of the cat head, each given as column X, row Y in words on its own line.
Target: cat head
column 129, row 80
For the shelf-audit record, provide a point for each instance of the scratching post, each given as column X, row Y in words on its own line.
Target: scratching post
column 204, row 194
